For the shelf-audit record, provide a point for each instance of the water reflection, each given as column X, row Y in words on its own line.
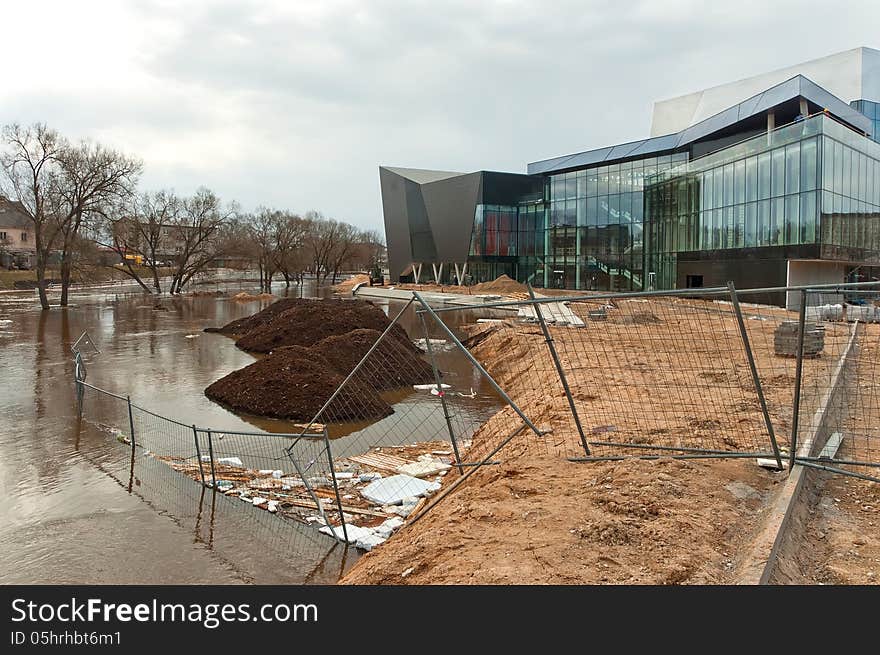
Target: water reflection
column 68, row 516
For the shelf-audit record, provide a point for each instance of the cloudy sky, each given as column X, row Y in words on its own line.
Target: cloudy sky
column 294, row 103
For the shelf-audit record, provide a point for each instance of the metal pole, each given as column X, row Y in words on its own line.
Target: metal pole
column 78, row 372
column 798, row 375
column 211, row 455
column 198, row 454
column 549, row 340
column 302, row 475
column 355, row 370
column 335, row 485
column 833, row 469
column 479, row 366
column 754, row 369
column 440, row 392
column 131, row 431
column 698, row 292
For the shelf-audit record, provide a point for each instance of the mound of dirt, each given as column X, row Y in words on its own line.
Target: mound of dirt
column 391, row 366
column 248, row 323
column 294, row 383
column 500, row 285
column 305, row 322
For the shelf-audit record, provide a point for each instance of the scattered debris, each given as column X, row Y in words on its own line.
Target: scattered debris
column 426, row 466
column 370, row 521
column 396, row 489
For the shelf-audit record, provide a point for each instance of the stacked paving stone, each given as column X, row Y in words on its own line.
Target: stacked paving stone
column 785, row 339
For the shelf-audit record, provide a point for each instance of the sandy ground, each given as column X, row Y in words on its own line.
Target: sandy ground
column 347, row 285
column 841, row 534
column 544, row 520
column 840, row 541
column 670, row 373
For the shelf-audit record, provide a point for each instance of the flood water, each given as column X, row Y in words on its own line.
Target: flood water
column 71, row 511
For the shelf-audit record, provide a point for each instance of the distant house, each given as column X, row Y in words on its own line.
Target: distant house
column 17, row 243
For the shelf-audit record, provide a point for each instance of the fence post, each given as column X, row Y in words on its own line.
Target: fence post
column 440, row 393
column 131, row 431
column 549, row 340
column 211, row 456
column 754, row 369
column 79, row 375
column 473, row 360
column 798, row 377
column 335, row 485
column 198, row 453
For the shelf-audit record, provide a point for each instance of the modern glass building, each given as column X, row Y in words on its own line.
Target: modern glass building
column 765, row 181
column 800, row 199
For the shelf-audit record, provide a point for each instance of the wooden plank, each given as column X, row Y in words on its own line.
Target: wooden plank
column 832, row 446
column 380, row 461
column 348, row 510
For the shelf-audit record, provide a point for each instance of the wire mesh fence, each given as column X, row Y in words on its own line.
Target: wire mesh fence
column 620, row 375
column 782, row 374
column 698, row 373
column 402, row 420
column 838, row 419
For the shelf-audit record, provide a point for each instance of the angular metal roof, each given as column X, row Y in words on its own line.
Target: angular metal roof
column 850, row 75
column 421, row 175
column 796, row 87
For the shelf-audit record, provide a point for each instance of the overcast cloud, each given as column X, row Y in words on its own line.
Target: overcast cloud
column 296, row 104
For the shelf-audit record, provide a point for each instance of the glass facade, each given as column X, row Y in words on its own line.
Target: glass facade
column 586, row 232
column 850, row 201
column 594, row 225
column 814, row 182
column 872, row 111
column 810, row 189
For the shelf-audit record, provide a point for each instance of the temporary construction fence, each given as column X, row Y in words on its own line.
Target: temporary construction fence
column 701, row 373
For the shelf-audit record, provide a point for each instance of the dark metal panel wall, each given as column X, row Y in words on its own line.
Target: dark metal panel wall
column 451, row 204
column 421, row 238
column 396, row 221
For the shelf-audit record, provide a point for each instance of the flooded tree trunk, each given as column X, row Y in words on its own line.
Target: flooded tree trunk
column 156, row 282
column 65, row 279
column 41, row 272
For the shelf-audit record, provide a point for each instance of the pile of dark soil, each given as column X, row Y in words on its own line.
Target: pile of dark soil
column 391, row 366
column 294, row 383
column 305, row 322
column 244, row 325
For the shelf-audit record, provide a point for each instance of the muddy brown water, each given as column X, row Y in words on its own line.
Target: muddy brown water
column 68, row 515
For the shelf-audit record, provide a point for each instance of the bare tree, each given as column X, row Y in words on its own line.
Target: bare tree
column 329, row 244
column 197, row 235
column 30, row 166
column 142, row 230
column 290, row 247
column 263, row 231
column 91, row 179
column 368, row 253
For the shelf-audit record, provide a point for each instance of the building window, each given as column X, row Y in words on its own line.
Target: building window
column 24, row 237
column 2, row 236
